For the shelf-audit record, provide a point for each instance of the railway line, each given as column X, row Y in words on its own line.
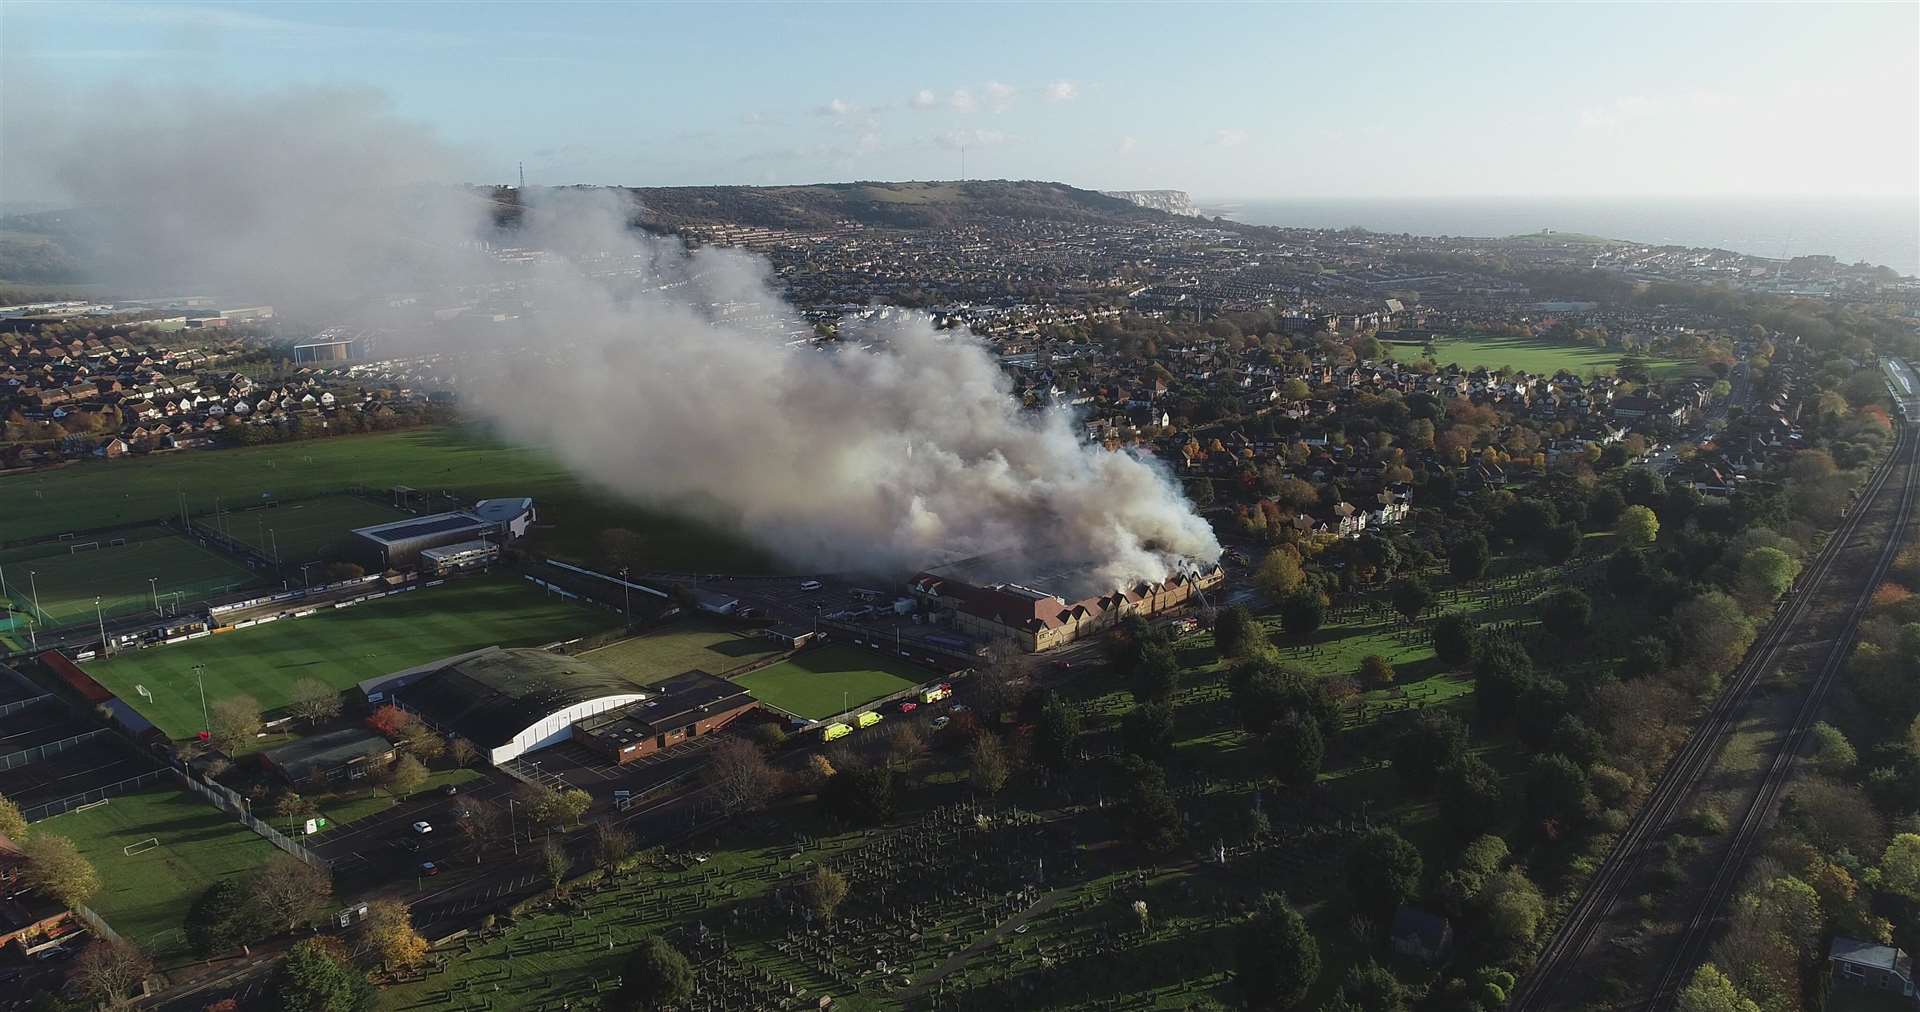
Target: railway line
column 1696, row 757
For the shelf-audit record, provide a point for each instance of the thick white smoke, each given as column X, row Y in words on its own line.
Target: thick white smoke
column 639, row 370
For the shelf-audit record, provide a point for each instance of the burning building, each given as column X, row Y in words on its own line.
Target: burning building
column 984, row 600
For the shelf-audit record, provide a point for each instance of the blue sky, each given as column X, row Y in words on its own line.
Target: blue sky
column 1226, row 101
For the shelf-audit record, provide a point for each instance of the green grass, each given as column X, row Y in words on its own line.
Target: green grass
column 303, row 531
column 67, row 582
column 1534, row 355
column 350, row 805
column 341, row 647
column 465, row 462
column 710, row 646
column 145, row 897
column 822, row 682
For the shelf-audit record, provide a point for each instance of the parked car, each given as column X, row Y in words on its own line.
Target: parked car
column 908, row 706
column 448, row 790
column 428, row 869
column 423, row 827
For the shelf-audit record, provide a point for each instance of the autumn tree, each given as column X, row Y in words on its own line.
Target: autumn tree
column 233, row 722
column 390, row 720
column 111, row 971
column 822, row 892
column 988, row 766
column 387, row 931
column 291, row 891
column 405, row 776
column 1375, row 672
column 313, row 700
column 611, row 844
column 555, row 861
column 57, row 870
column 13, row 825
column 1636, row 529
column 739, row 776
column 1280, row 573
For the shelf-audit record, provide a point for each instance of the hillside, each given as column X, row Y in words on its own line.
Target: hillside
column 882, row 205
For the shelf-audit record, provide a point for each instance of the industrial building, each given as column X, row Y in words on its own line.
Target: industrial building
column 1014, row 610
column 507, row 702
column 510, row 517
column 676, row 710
column 459, row 557
column 398, row 545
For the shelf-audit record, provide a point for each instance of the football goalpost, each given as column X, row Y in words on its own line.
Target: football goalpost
column 83, row 546
column 142, row 847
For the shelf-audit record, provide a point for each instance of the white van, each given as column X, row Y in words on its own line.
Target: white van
column 810, row 585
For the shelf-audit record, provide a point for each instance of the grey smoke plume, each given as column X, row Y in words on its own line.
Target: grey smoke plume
column 660, row 374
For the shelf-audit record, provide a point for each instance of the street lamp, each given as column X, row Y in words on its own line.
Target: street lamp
column 98, row 616
column 626, row 598
column 153, row 584
column 33, row 584
column 206, row 719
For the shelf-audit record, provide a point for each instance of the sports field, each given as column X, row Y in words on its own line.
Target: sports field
column 1532, row 355
column 145, row 896
column 712, row 647
column 827, row 680
column 342, row 646
column 303, row 531
column 462, row 461
column 67, row 580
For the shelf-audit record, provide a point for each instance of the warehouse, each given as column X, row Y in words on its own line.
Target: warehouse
column 398, row 545
column 507, row 702
column 682, row 707
column 967, row 595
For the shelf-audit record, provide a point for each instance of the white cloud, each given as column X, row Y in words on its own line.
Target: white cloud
column 1128, row 143
column 1000, row 96
column 837, row 107
column 1229, row 137
column 963, row 100
column 923, row 99
column 1062, row 91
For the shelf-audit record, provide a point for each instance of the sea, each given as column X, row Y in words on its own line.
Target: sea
column 1878, row 230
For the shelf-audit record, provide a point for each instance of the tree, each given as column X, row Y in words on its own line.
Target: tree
column 1235, row 631
column 1502, row 671
column 654, row 976
column 1637, row 528
column 1711, row 991
column 1301, row 613
column 1558, row 789
column 860, row 796
column 1276, row 959
column 1900, row 867
column 13, row 825
column 1147, row 731
column 1562, row 542
column 1152, row 818
column 223, row 917
column 57, row 870
column 110, row 971
column 1157, row 675
column 1831, row 750
column 316, row 976
column 1434, row 741
column 739, row 776
column 1471, row 799
column 1566, row 613
column 1711, row 632
column 987, row 764
column 1056, row 738
column 1295, row 750
column 390, row 720
column 823, row 891
column 1412, row 596
column 611, row 844
column 405, row 776
column 1514, row 907
column 1383, row 871
column 555, row 861
column 481, row 824
column 423, row 742
column 1280, row 572
column 233, row 722
column 904, row 744
column 1766, row 574
column 462, row 751
column 1374, row 671
column 290, row 891
column 313, row 700
column 1369, row 987
column 387, row 931
column 1467, row 560
column 1453, row 636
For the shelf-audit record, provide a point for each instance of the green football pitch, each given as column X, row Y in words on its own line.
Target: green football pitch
column 461, row 461
column 1531, row 354
column 827, row 680
column 65, row 577
column 341, row 647
column 181, row 844
column 303, row 531
column 695, row 644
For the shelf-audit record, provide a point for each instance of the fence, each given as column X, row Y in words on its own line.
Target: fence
column 20, row 704
column 97, row 923
column 39, row 752
column 68, row 804
column 229, row 802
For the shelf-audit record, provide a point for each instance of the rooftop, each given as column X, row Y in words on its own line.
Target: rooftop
column 420, row 527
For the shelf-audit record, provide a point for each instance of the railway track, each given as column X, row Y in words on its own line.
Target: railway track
column 1696, row 757
column 1698, row 934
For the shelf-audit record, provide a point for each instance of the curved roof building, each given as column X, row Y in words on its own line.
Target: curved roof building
column 506, row 701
